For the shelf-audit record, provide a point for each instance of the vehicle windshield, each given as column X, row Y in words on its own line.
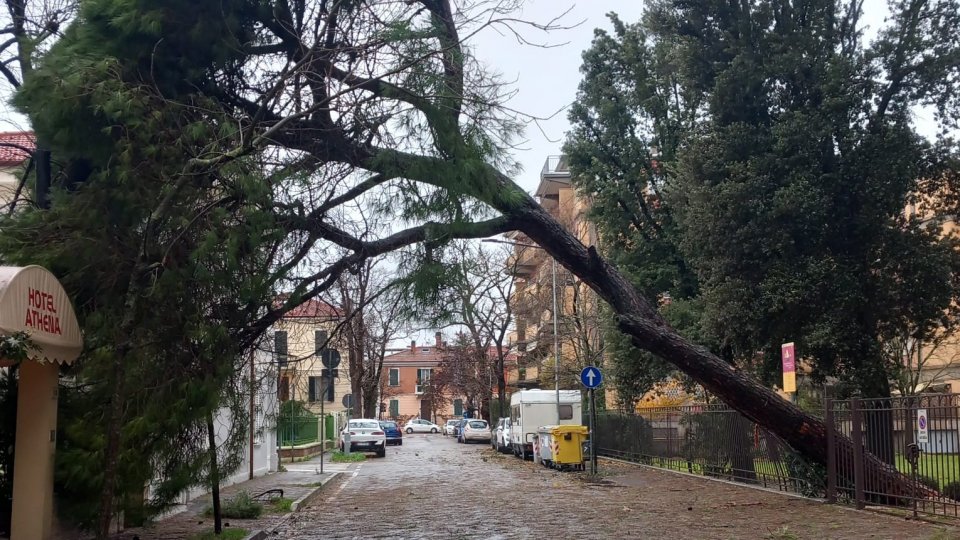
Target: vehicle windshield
column 452, row 422
column 364, row 425
column 478, row 424
column 389, row 425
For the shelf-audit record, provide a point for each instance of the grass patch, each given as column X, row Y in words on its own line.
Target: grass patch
column 240, row 506
column 352, row 457
column 228, row 534
column 281, row 505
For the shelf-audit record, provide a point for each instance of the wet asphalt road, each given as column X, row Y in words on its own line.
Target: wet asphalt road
column 432, row 487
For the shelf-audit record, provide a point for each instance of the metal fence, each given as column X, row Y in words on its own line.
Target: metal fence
column 710, row 440
column 295, row 430
column 714, row 440
column 890, row 430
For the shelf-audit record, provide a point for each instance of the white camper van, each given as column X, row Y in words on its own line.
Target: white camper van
column 530, row 409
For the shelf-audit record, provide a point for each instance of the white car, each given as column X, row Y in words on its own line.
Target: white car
column 365, row 435
column 418, row 425
column 450, row 426
column 476, row 430
column 500, row 435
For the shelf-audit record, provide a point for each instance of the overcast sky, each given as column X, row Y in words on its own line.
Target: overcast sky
column 546, row 79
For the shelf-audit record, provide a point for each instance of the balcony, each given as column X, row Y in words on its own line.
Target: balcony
column 555, row 165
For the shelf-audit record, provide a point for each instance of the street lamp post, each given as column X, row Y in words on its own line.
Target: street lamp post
column 556, row 335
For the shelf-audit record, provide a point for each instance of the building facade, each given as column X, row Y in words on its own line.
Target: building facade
column 540, row 283
column 307, row 373
column 405, row 378
column 15, row 148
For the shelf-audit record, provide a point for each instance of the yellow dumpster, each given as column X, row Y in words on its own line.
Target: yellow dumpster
column 561, row 447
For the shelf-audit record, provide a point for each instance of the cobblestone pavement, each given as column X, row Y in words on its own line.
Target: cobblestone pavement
column 432, row 487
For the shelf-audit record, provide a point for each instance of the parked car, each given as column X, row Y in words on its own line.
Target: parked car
column 365, row 435
column 475, row 430
column 450, row 427
column 392, row 430
column 418, row 425
column 500, row 435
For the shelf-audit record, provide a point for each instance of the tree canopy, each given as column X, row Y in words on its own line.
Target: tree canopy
column 212, row 154
column 757, row 162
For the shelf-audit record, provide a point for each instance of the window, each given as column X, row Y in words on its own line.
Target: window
column 566, row 412
column 313, row 388
column 423, row 378
column 283, row 389
column 394, row 376
column 280, row 348
column 458, row 407
column 319, row 338
column 394, row 408
column 515, row 413
column 326, row 383
column 259, row 418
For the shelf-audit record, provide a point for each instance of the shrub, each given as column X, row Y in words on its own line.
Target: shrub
column 952, row 490
column 340, row 457
column 928, row 481
column 240, row 506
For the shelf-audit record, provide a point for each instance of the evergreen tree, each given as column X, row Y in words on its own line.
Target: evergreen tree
column 782, row 176
column 211, row 154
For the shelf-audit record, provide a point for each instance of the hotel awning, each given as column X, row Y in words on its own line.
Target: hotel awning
column 33, row 301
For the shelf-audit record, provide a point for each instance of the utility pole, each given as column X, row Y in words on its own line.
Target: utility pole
column 556, row 339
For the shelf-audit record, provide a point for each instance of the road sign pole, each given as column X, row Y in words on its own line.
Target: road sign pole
column 593, row 423
column 323, row 426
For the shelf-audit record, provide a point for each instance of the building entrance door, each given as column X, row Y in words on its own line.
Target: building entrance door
column 425, row 409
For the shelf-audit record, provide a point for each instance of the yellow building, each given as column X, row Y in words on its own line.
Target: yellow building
column 932, row 365
column 537, row 279
column 297, row 342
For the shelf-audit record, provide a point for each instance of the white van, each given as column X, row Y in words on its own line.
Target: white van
column 530, row 409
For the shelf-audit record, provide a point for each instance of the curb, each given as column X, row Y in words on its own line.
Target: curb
column 312, row 494
column 306, row 498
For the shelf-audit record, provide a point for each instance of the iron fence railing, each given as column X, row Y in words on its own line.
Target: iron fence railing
column 294, row 430
column 714, row 440
column 890, row 429
column 710, row 440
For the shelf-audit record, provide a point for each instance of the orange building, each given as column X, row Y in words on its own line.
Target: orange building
column 404, row 379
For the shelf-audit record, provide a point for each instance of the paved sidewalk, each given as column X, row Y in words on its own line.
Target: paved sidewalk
column 299, row 482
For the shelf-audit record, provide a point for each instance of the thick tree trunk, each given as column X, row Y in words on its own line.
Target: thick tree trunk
column 649, row 331
column 214, row 475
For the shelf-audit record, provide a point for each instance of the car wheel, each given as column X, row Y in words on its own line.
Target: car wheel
column 409, row 430
column 433, row 430
column 382, row 452
column 400, row 443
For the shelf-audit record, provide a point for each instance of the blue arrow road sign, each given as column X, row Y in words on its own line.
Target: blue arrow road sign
column 591, row 377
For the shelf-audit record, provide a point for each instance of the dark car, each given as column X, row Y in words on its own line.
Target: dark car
column 392, row 429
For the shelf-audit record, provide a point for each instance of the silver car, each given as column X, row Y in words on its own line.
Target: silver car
column 476, row 430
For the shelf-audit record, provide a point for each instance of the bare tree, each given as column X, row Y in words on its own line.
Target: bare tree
column 369, row 298
column 482, row 304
